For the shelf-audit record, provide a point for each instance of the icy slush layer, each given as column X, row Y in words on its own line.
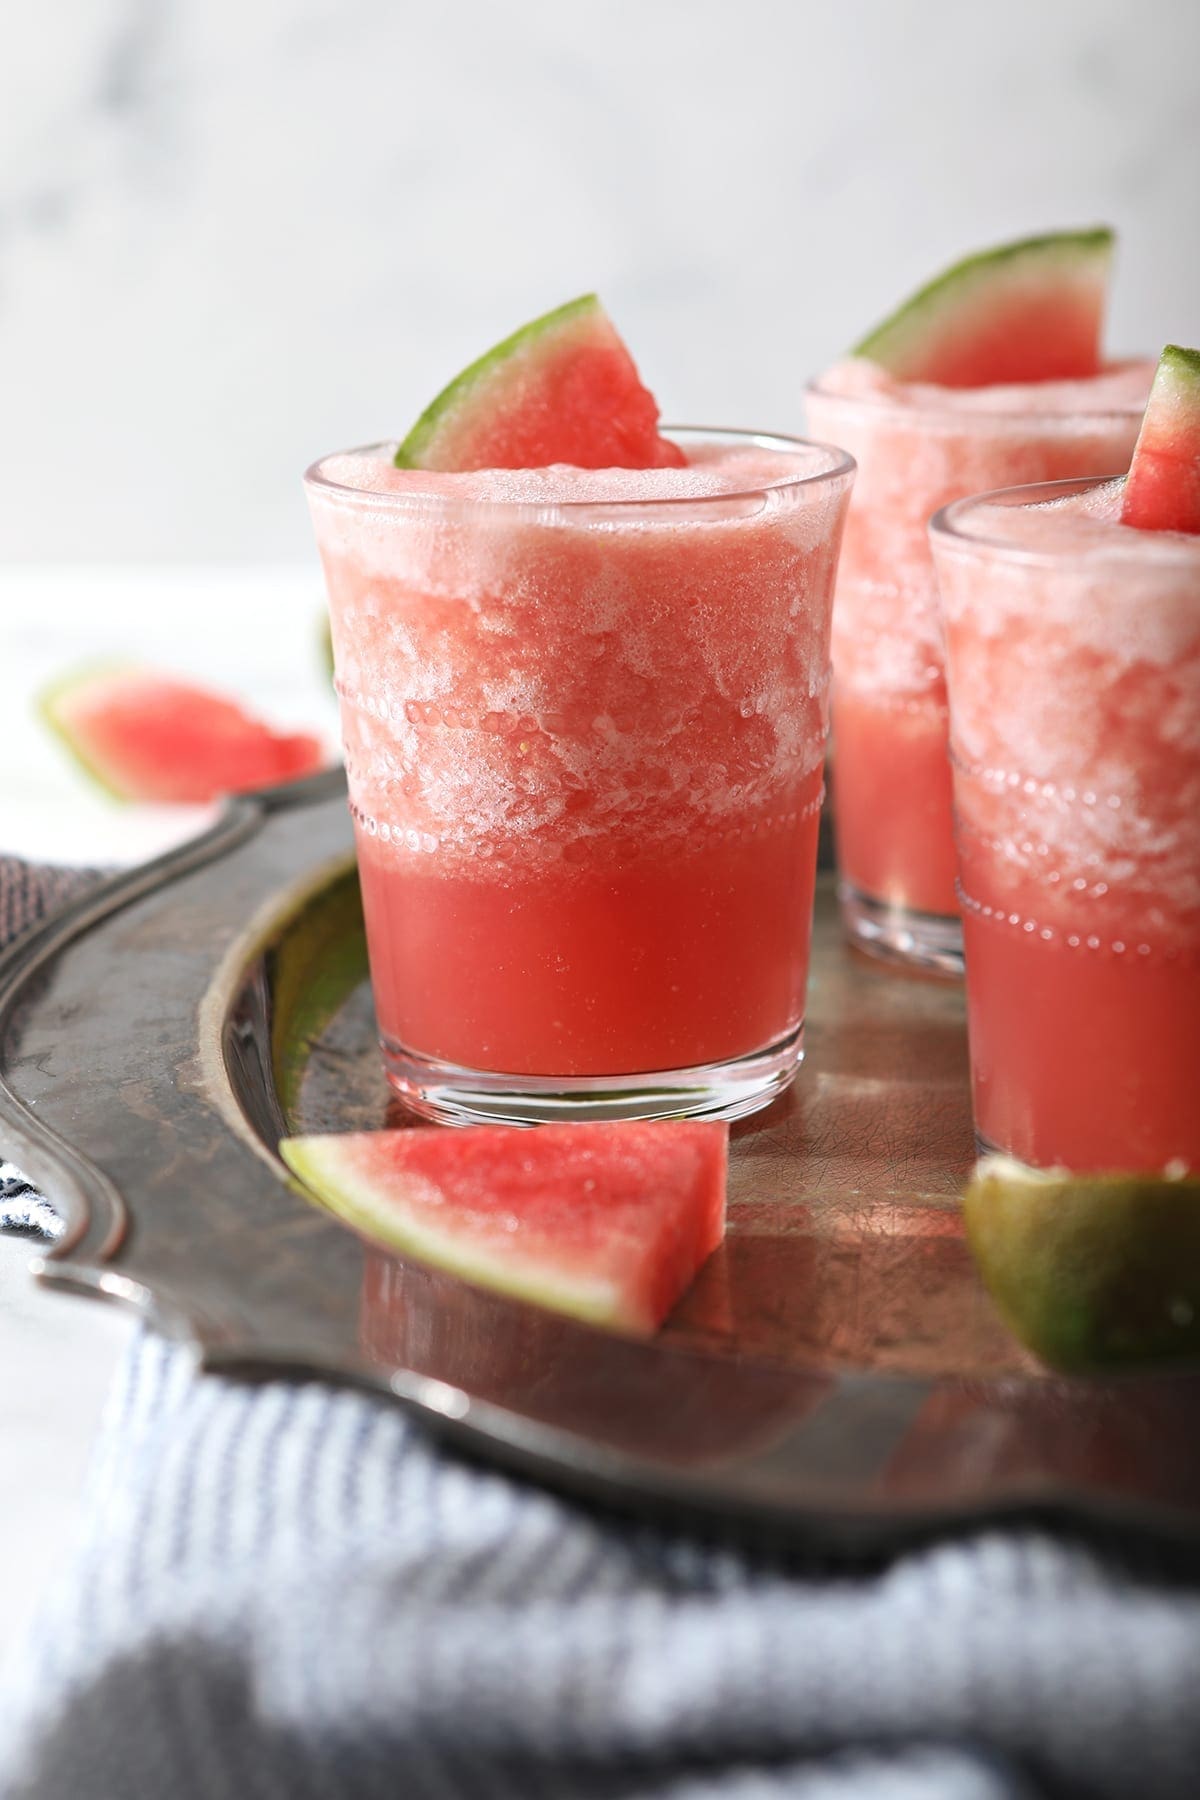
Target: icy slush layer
column 913, row 460
column 1075, row 714
column 712, row 471
column 1120, row 387
column 520, row 684
column 1132, row 597
column 1079, row 526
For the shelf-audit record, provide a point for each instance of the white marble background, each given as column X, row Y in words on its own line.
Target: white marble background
column 236, row 233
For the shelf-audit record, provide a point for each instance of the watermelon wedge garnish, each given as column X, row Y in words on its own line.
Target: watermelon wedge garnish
column 608, row 1222
column 1162, row 488
column 563, row 389
column 151, row 737
column 1028, row 311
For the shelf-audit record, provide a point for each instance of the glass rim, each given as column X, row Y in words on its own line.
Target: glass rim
column 966, row 419
column 841, row 467
column 1129, row 544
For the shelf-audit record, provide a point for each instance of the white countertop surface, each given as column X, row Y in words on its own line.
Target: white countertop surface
column 257, row 635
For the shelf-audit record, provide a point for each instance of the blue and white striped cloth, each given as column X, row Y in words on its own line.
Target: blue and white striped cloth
column 288, row 1592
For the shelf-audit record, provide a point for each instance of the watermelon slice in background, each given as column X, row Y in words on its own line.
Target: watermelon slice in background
column 1027, row 311
column 607, row 1222
column 563, row 389
column 1162, row 488
column 151, row 737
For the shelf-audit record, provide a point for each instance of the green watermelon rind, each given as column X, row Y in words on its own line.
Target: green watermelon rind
column 923, row 314
column 1179, row 370
column 451, row 408
column 314, row 1161
column 1172, row 415
column 1183, row 357
column 49, row 702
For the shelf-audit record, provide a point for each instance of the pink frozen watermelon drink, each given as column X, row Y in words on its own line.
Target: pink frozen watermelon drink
column 583, row 675
column 990, row 376
column 1072, row 628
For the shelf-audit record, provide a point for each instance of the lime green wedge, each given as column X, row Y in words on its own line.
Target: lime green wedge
column 1089, row 1270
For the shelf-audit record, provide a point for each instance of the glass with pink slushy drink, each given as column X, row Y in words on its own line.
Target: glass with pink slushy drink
column 989, row 378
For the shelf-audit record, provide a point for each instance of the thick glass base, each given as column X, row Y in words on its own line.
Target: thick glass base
column 456, row 1096
column 897, row 934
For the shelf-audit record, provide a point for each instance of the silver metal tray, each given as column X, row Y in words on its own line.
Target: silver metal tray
column 836, row 1374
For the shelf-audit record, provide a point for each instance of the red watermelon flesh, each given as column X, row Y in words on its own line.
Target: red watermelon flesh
column 563, row 389
column 151, row 737
column 608, row 1222
column 1162, row 488
column 1024, row 312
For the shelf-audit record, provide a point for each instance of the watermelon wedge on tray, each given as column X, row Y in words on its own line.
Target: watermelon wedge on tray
column 152, row 737
column 563, row 389
column 1027, row 311
column 1162, row 488
column 608, row 1222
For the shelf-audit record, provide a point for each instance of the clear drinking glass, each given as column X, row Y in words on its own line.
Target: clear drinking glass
column 1073, row 661
column 891, row 776
column 584, row 716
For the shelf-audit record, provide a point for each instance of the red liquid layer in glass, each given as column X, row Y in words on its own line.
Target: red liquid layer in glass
column 893, row 799
column 1086, row 1058
column 652, row 957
